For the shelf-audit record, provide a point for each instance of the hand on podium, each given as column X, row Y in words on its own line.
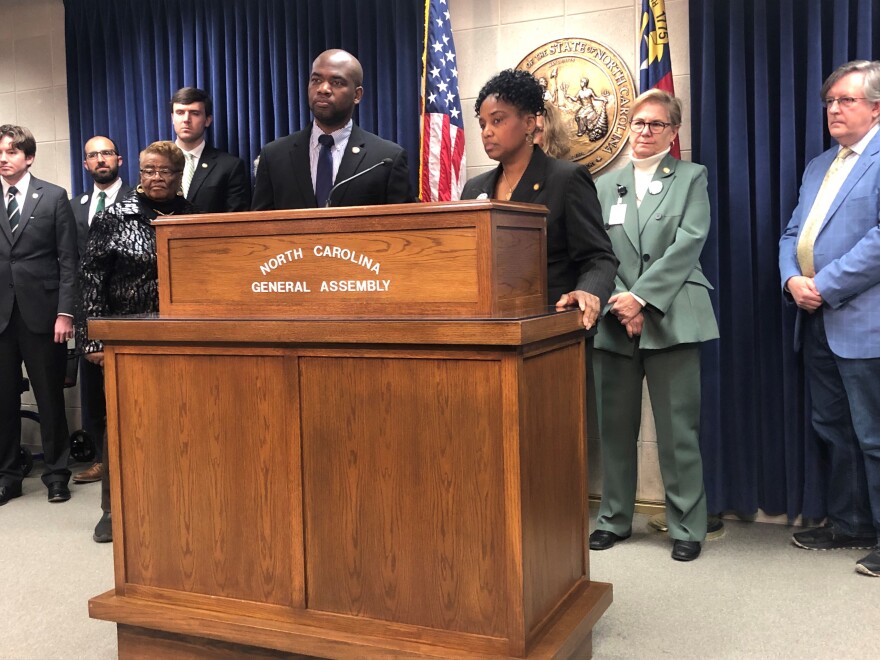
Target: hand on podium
column 586, row 302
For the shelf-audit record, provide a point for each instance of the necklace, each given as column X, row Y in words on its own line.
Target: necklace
column 158, row 212
column 507, row 183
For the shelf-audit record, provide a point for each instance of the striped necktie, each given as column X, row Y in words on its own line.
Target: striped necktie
column 188, row 173
column 12, row 210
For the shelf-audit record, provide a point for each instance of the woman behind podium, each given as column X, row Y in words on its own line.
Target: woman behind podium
column 550, row 133
column 657, row 209
column 119, row 272
column 580, row 261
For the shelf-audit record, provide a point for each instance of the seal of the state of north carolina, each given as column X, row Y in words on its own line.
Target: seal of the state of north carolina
column 593, row 90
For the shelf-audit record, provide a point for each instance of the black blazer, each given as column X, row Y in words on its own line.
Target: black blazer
column 579, row 253
column 220, row 183
column 38, row 264
column 80, row 206
column 284, row 176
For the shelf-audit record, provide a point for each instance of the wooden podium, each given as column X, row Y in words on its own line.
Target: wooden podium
column 395, row 469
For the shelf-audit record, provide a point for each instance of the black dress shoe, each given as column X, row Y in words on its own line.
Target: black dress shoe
column 9, row 492
column 602, row 539
column 685, row 550
column 58, row 492
column 104, row 529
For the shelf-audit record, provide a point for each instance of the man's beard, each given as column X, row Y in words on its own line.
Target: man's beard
column 106, row 177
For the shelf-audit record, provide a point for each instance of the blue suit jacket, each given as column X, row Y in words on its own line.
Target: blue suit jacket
column 846, row 254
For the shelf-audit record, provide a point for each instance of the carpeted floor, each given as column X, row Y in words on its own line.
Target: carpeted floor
column 751, row 595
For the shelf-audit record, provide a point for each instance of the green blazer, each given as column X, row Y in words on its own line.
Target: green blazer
column 659, row 246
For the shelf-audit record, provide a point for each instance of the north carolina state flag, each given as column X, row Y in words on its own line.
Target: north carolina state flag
column 655, row 69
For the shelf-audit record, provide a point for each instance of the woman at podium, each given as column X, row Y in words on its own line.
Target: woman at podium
column 580, row 261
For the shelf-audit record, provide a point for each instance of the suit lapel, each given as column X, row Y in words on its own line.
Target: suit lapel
column 301, row 166
column 626, row 179
column 4, row 222
column 866, row 160
column 33, row 197
column 352, row 159
column 207, row 162
column 533, row 180
column 81, row 211
column 664, row 176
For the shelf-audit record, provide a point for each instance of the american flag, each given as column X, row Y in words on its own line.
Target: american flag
column 442, row 168
column 655, row 69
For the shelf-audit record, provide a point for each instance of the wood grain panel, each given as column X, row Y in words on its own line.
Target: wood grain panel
column 207, row 451
column 400, row 258
column 554, row 497
column 517, row 277
column 402, row 478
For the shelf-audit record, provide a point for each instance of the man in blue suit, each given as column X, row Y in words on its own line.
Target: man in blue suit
column 829, row 259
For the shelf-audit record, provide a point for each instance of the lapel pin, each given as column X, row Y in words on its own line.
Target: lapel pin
column 84, row 199
column 355, row 150
column 537, row 186
column 666, row 170
column 36, row 195
column 205, row 165
column 655, row 187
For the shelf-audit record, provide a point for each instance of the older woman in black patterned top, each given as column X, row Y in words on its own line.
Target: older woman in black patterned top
column 119, row 272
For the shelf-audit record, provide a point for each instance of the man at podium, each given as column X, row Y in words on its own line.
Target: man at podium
column 332, row 162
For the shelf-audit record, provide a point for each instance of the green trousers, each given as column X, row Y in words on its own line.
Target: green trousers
column 673, row 377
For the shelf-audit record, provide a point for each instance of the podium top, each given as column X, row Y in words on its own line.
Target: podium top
column 338, row 212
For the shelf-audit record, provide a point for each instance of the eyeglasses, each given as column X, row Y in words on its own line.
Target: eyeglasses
column 842, row 101
column 162, row 172
column 107, row 153
column 638, row 125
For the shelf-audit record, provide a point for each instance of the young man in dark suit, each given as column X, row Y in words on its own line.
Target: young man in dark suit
column 37, row 296
column 102, row 161
column 300, row 170
column 213, row 180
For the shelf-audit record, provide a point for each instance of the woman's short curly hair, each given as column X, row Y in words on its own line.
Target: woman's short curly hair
column 168, row 150
column 518, row 88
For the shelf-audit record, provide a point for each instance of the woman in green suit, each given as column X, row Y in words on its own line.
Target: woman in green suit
column 656, row 211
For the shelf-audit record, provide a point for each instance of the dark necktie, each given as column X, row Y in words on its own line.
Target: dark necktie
column 324, row 177
column 12, row 210
column 99, row 207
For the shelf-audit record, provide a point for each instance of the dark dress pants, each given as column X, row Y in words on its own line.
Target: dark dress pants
column 94, row 405
column 46, row 364
column 846, row 416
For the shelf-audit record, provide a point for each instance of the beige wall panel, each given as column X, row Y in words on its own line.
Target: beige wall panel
column 518, row 11
column 33, row 66
column 469, row 14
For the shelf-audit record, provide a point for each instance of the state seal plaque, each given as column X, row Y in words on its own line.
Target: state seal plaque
column 593, row 90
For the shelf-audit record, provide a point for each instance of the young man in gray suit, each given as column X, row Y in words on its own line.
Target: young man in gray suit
column 37, row 296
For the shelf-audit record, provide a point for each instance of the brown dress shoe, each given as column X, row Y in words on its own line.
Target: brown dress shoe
column 90, row 475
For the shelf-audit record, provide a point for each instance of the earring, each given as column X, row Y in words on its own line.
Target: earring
column 180, row 193
column 530, row 138
column 140, row 189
